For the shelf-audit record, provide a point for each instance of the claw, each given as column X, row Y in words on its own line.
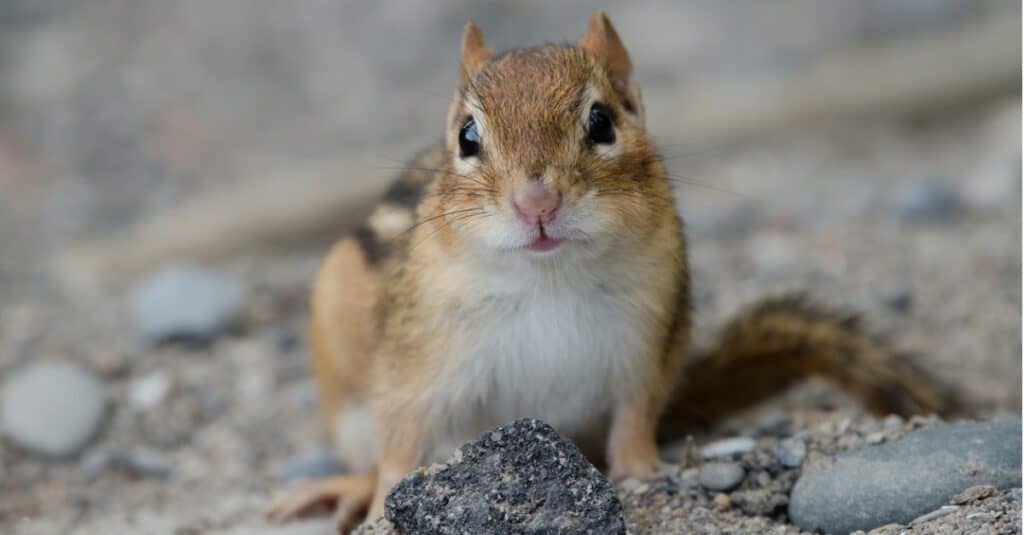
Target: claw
column 348, row 495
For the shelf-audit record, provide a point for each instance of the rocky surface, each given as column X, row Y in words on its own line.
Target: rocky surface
column 518, row 478
column 914, row 222
column 51, row 407
column 899, row 481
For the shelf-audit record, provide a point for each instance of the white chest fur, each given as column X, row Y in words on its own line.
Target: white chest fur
column 562, row 351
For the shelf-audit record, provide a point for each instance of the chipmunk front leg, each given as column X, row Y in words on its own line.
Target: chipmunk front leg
column 632, row 447
column 401, row 453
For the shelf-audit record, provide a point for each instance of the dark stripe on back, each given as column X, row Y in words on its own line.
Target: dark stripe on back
column 405, row 193
column 373, row 248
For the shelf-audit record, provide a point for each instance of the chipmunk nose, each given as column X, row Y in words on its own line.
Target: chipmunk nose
column 536, row 202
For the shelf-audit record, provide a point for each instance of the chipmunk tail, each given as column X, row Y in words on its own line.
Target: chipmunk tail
column 780, row 341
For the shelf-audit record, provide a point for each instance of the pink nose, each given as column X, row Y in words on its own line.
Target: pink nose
column 536, row 202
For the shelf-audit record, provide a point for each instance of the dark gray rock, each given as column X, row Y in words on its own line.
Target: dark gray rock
column 899, row 300
column 52, row 408
column 518, row 478
column 720, row 476
column 319, row 463
column 901, row 480
column 790, row 451
column 186, row 303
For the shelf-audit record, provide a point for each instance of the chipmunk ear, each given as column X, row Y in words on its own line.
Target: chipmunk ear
column 603, row 42
column 475, row 53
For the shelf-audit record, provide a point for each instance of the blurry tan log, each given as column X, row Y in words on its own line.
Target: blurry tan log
column 923, row 73
column 287, row 208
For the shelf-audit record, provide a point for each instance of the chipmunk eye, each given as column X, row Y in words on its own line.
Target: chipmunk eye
column 469, row 139
column 599, row 125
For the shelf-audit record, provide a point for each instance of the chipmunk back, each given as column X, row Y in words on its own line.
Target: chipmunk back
column 534, row 265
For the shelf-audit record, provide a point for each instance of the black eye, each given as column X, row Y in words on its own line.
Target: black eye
column 469, row 139
column 599, row 125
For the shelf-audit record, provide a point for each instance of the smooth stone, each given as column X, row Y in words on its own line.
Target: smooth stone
column 728, row 447
column 519, row 478
column 900, row 480
column 150, row 390
column 138, row 462
column 899, row 300
column 929, row 200
column 312, row 465
column 186, row 303
column 721, row 476
column 52, row 408
column 790, row 452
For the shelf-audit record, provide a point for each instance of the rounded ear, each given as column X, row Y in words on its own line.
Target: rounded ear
column 603, row 42
column 475, row 53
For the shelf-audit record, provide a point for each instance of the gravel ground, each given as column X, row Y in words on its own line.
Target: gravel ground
column 915, row 223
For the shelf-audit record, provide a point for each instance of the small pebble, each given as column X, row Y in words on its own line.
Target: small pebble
column 312, row 465
column 774, row 423
column 728, row 447
column 149, row 391
column 938, row 513
column 722, row 500
column 791, row 451
column 52, row 408
column 892, row 422
column 899, row 300
column 875, row 438
column 974, row 493
column 186, row 303
column 721, row 476
column 929, row 200
column 285, row 340
column 146, row 463
column 139, row 462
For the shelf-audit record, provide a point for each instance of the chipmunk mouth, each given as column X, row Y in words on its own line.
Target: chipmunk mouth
column 543, row 242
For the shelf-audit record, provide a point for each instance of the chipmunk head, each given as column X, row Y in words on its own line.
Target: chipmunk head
column 547, row 149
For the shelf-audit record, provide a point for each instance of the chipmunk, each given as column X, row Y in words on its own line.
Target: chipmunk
column 534, row 265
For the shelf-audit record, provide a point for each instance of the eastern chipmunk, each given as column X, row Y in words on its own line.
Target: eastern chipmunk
column 534, row 265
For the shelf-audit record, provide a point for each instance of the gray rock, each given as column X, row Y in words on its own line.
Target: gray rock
column 519, row 478
column 973, row 494
column 899, row 300
column 728, row 447
column 52, row 408
column 312, row 465
column 149, row 391
column 938, row 513
column 929, row 200
column 790, row 451
column 186, row 303
column 721, row 476
column 138, row 462
column 901, row 480
column 774, row 423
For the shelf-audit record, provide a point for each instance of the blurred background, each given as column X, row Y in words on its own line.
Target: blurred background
column 171, row 172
